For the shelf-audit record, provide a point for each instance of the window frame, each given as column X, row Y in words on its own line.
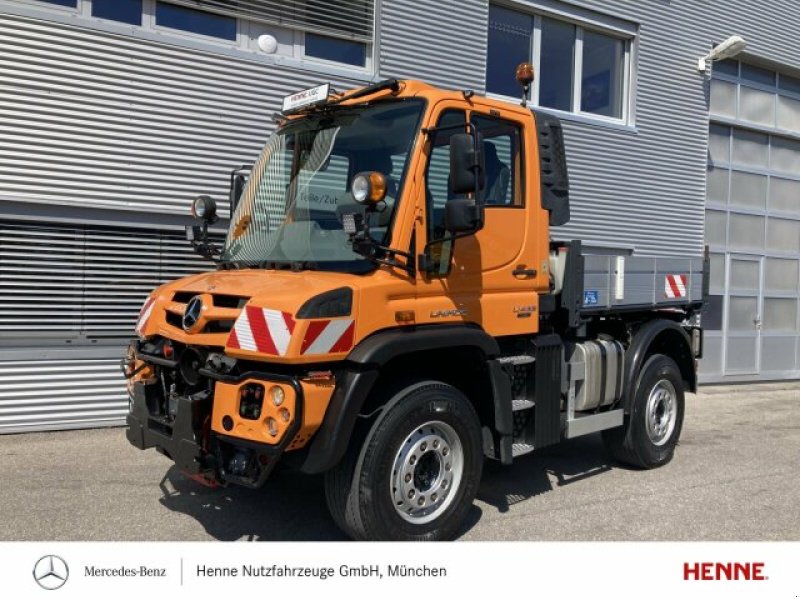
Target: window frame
column 78, row 9
column 150, row 8
column 300, row 48
column 628, row 38
column 518, row 168
column 88, row 8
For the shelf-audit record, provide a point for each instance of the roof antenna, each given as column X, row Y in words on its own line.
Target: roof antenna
column 525, row 78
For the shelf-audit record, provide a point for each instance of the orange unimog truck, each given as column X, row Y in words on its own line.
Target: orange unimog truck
column 389, row 309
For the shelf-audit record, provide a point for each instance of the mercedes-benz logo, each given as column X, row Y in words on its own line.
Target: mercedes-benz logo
column 51, row 572
column 192, row 312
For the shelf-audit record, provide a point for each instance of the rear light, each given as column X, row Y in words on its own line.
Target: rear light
column 251, row 399
column 167, row 350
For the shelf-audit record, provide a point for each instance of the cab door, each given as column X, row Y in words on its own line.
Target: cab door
column 492, row 277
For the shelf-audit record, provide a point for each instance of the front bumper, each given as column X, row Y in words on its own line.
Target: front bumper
column 187, row 434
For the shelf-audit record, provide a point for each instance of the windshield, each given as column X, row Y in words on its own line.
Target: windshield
column 291, row 209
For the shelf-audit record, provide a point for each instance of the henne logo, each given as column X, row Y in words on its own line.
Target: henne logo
column 731, row 571
column 50, row 572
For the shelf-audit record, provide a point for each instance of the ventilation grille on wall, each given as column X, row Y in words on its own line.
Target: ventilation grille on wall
column 85, row 281
column 341, row 18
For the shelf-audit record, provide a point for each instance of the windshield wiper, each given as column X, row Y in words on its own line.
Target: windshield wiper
column 288, row 265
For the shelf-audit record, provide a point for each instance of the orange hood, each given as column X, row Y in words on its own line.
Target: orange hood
column 252, row 313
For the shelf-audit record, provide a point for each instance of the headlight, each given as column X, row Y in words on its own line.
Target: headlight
column 277, row 395
column 360, row 188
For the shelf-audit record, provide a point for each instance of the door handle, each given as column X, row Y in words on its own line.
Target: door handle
column 521, row 272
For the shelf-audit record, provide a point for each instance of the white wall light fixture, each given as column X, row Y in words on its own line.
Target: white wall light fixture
column 268, row 43
column 727, row 49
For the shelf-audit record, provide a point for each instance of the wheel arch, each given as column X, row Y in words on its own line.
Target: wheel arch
column 391, row 358
column 660, row 336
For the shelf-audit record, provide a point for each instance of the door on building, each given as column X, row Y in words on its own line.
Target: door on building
column 742, row 343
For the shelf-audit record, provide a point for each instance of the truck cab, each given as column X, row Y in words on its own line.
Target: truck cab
column 389, row 308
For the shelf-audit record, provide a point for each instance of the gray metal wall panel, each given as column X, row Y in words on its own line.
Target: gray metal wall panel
column 442, row 42
column 61, row 394
column 102, row 120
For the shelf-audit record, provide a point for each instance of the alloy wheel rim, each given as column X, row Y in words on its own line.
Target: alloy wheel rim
column 427, row 472
column 661, row 412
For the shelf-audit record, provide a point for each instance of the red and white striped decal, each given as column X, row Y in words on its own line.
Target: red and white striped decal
column 675, row 286
column 328, row 337
column 144, row 314
column 262, row 330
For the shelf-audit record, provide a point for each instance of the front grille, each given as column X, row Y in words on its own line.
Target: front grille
column 221, row 322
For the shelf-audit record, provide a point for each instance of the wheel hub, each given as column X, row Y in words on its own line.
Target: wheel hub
column 426, row 472
column 662, row 413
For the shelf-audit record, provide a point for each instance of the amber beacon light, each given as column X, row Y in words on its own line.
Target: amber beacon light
column 524, row 76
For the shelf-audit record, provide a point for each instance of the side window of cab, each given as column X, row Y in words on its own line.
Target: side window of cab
column 502, row 150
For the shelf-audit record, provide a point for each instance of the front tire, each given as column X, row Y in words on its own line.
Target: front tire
column 416, row 474
column 651, row 431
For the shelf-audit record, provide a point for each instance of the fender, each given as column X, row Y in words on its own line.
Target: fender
column 635, row 356
column 361, row 370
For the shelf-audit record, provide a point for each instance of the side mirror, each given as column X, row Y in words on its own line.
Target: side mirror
column 238, row 181
column 462, row 215
column 467, row 166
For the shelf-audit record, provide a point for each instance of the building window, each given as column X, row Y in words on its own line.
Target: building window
column 195, row 21
column 756, row 97
column 557, row 71
column 510, row 39
column 325, row 31
column 579, row 69
column 335, row 49
column 124, row 11
column 69, row 3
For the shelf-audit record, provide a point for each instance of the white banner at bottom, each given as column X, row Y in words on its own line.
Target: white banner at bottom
column 200, row 570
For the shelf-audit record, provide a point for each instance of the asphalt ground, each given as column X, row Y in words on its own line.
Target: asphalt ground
column 734, row 477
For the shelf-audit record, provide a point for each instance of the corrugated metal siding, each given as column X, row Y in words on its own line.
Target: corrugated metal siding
column 70, row 282
column 108, row 121
column 61, row 394
column 62, row 286
column 442, row 42
column 102, row 120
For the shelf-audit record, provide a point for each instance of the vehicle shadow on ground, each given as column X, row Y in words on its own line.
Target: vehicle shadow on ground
column 291, row 507
column 542, row 471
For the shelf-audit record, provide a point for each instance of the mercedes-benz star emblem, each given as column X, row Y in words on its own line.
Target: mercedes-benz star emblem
column 192, row 312
column 50, row 572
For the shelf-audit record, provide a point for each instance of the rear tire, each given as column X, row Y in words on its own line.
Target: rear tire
column 648, row 437
column 416, row 474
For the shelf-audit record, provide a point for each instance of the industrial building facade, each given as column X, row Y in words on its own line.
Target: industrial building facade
column 114, row 114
